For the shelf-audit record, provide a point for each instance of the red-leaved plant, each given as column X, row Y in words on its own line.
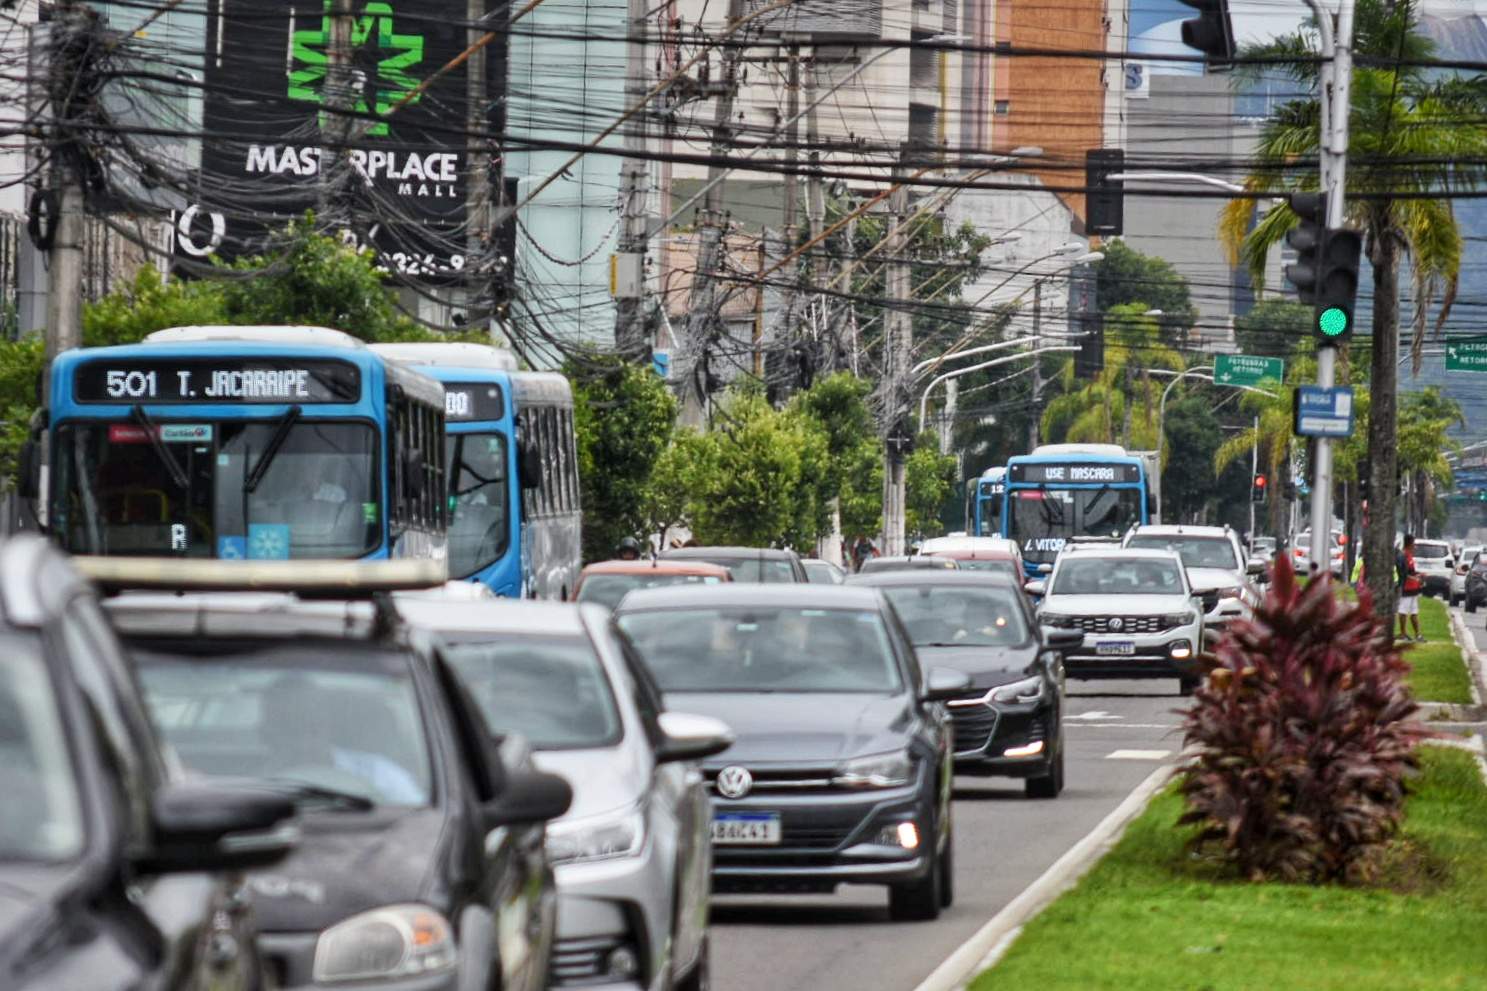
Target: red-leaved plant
column 1301, row 738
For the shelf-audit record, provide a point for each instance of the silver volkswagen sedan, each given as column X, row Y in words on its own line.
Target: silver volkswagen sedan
column 633, row 855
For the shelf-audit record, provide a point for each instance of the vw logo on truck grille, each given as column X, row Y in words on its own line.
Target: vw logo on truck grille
column 734, row 782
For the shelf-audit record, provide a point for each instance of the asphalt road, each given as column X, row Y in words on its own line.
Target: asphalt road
column 1118, row 733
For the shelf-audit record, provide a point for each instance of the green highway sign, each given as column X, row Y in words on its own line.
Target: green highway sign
column 1466, row 354
column 1249, row 369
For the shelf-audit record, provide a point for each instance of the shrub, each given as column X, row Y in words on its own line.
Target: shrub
column 1302, row 738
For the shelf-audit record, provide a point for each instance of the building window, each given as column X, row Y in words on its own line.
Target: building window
column 1002, row 108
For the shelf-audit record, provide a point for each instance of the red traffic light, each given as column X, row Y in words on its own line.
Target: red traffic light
column 1259, row 481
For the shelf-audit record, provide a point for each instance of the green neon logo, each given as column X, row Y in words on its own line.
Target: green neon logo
column 1333, row 321
column 380, row 60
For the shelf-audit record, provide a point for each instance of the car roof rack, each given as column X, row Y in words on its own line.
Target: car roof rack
column 308, row 579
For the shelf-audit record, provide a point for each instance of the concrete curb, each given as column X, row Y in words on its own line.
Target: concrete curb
column 1469, row 654
column 988, row 943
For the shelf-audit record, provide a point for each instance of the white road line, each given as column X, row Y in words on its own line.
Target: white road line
column 1165, row 726
column 1097, row 714
column 1138, row 755
column 989, row 942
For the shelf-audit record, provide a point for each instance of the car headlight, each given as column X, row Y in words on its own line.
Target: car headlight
column 1229, row 592
column 395, row 941
column 1180, row 618
column 1027, row 690
column 606, row 837
column 875, row 771
column 1054, row 619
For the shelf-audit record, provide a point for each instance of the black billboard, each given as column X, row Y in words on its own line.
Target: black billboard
column 270, row 137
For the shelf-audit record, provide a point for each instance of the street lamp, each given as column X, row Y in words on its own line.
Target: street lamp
column 994, row 362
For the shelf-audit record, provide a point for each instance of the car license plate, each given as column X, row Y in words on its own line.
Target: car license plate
column 747, row 828
column 1115, row 648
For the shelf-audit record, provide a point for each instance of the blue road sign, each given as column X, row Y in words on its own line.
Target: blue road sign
column 1323, row 412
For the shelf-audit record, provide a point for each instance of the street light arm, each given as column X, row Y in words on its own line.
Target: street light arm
column 1198, row 177
column 957, row 373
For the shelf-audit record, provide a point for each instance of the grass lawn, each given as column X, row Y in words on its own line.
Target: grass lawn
column 1439, row 673
column 1148, row 916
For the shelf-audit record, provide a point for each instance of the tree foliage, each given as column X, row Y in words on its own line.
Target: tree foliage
column 1126, row 277
column 1272, row 326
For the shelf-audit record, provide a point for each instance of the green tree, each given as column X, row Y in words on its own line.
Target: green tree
column 1126, row 276
column 1273, row 326
column 929, row 480
column 683, row 469
column 1412, row 135
column 1424, row 419
column 1194, row 435
column 622, row 416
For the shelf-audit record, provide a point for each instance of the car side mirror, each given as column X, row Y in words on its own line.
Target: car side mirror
column 213, row 826
column 529, row 797
column 943, row 684
column 1255, row 566
column 1058, row 638
column 1045, row 568
column 1035, row 587
column 689, row 737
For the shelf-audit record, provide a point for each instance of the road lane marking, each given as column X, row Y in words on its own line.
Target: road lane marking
column 1097, row 714
column 1166, row 726
column 1138, row 755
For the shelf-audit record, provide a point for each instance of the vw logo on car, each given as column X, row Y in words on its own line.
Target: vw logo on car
column 1117, row 624
column 734, row 781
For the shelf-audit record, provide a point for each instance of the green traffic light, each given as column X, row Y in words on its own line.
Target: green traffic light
column 1333, row 321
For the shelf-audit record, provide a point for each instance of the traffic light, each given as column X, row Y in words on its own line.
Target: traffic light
column 1337, row 284
column 1363, row 488
column 1089, row 360
column 1307, row 237
column 1104, row 203
column 1212, row 31
column 1257, row 489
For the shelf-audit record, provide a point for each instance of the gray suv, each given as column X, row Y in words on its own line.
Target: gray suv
column 1139, row 615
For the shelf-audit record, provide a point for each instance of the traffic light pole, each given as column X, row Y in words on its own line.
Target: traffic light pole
column 1336, row 84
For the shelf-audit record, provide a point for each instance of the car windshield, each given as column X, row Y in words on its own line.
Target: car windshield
column 317, row 497
column 822, row 572
column 480, row 497
column 1196, row 552
column 40, row 815
column 1043, row 520
column 321, row 715
column 551, row 691
column 960, row 615
column 765, row 649
column 1118, row 576
column 608, row 590
column 770, row 571
column 1430, row 549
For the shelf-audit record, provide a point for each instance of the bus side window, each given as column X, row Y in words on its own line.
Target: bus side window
column 396, row 518
column 571, row 457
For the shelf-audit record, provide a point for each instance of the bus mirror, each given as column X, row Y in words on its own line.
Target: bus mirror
column 531, row 467
column 28, row 471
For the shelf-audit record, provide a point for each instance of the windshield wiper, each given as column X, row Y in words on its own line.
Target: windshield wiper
column 281, row 434
column 152, row 434
column 348, row 800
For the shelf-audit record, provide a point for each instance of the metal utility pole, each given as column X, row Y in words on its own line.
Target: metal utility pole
column 1034, row 413
column 627, row 274
column 1336, row 100
column 1254, row 469
column 703, row 304
column 898, row 343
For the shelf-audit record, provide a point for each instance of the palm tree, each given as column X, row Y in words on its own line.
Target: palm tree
column 1409, row 135
column 1119, row 406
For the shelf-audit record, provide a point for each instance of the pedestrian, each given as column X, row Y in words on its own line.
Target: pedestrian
column 1410, row 587
column 628, row 549
column 862, row 551
column 1358, row 575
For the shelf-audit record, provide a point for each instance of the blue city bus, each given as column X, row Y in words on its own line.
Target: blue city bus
column 513, row 462
column 1062, row 492
column 244, row 442
column 987, row 499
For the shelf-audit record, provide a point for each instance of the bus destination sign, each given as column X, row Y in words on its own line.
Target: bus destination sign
column 217, row 380
column 1075, row 473
column 465, row 401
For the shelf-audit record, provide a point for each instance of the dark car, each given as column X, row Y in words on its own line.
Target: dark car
column 422, row 863
column 768, row 565
column 916, row 562
column 107, row 864
column 1010, row 722
column 842, row 763
column 1476, row 583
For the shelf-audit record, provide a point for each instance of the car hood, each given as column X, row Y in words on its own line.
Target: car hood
column 806, row 727
column 1114, row 605
column 987, row 666
column 350, row 862
column 27, row 911
column 1207, row 579
column 603, row 779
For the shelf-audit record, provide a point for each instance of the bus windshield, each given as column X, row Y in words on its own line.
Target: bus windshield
column 1042, row 520
column 203, row 489
column 481, row 500
column 989, row 510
